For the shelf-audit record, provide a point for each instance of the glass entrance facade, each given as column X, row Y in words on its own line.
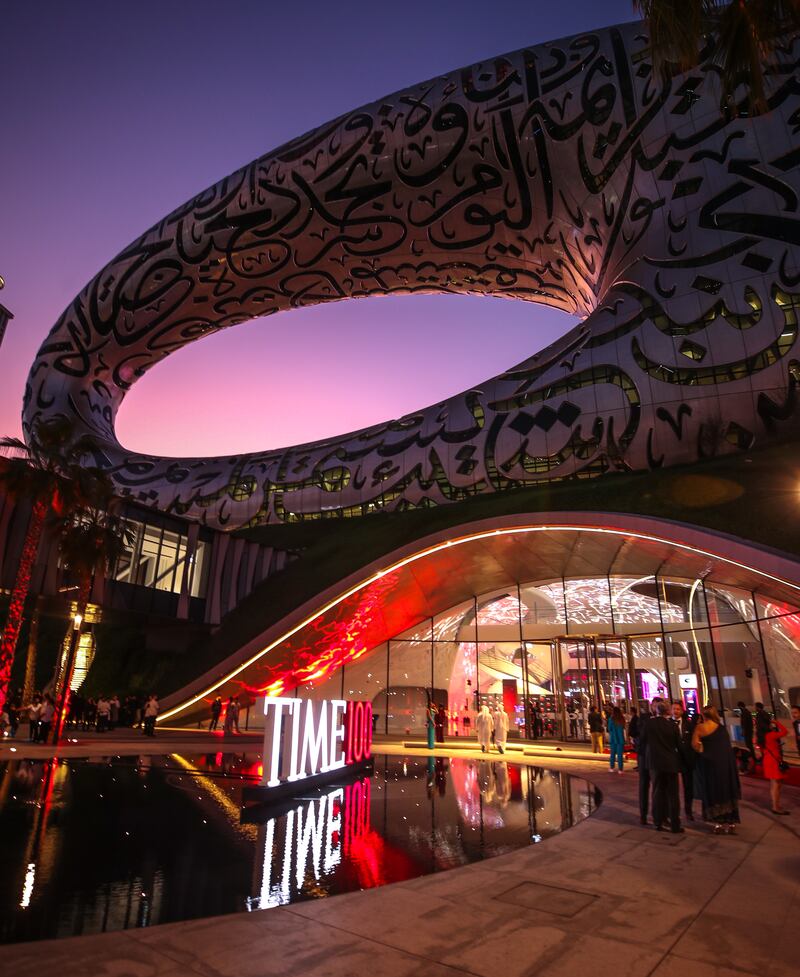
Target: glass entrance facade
column 548, row 650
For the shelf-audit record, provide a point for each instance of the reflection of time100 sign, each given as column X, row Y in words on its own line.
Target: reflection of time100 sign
column 304, row 738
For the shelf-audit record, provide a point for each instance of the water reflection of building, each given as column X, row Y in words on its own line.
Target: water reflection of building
column 411, row 817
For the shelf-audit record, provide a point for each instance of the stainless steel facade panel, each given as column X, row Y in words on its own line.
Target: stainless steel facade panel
column 567, row 174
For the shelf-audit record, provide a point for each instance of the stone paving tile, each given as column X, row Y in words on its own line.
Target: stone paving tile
column 283, row 944
column 103, row 955
column 719, row 939
column 552, row 899
column 612, row 916
column 595, row 955
column 750, row 923
column 513, row 948
column 407, row 921
column 673, row 966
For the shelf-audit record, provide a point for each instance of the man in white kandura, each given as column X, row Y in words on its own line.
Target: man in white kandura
column 484, row 724
column 500, row 719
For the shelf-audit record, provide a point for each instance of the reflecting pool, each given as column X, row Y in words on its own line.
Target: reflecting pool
column 121, row 842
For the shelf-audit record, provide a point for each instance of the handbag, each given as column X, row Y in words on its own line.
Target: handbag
column 783, row 766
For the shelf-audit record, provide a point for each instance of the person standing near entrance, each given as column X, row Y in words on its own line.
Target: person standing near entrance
column 34, row 712
column 664, row 756
column 746, row 720
column 216, row 711
column 103, row 714
column 441, row 723
column 150, row 713
column 596, row 729
column 716, row 777
column 616, row 738
column 633, row 733
column 685, row 732
column 500, row 720
column 484, row 724
column 46, row 718
column 763, row 722
column 774, row 764
column 534, row 721
column 231, row 715
column 430, row 722
column 645, row 717
column 573, row 720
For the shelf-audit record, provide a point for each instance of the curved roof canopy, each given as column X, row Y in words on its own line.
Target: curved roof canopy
column 432, row 575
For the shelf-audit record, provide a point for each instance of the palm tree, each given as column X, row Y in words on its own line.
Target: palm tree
column 91, row 539
column 49, row 474
column 746, row 32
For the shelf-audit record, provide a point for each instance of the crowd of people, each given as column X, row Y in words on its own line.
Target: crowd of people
column 676, row 753
column 84, row 713
column 696, row 753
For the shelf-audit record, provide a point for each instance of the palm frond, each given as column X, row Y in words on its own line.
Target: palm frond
column 745, row 36
column 676, row 30
column 14, row 444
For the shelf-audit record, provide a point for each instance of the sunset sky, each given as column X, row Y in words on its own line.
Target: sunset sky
column 114, row 113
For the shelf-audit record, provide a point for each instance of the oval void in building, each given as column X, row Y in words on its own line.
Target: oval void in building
column 335, row 367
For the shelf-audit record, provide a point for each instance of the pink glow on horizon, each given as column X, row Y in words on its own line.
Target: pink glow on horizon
column 320, row 372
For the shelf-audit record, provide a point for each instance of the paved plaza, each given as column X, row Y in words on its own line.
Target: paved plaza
column 608, row 895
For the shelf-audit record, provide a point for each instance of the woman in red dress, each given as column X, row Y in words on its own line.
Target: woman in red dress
column 772, row 759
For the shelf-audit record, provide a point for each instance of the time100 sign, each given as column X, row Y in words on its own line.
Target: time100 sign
column 306, row 737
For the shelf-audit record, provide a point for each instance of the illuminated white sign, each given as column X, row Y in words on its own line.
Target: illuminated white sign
column 306, row 737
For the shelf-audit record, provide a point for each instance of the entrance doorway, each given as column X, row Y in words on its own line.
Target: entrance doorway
column 557, row 681
column 593, row 670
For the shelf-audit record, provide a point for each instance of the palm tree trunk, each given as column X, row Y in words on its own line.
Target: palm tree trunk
column 19, row 594
column 62, row 690
column 29, row 686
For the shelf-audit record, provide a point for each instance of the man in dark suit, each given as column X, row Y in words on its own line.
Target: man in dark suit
column 641, row 754
column 664, row 759
column 763, row 722
column 686, row 725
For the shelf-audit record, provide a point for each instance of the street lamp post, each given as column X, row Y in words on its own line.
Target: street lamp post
column 69, row 665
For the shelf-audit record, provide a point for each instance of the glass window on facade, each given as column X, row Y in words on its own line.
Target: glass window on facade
column 446, row 626
column 410, row 675
column 546, row 651
column 588, row 605
column 740, row 665
column 367, row 678
column 158, row 559
column 681, row 602
column 779, row 627
column 455, row 672
column 635, row 605
column 546, row 611
column 691, row 675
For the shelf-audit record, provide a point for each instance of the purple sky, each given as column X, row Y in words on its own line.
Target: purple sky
column 114, row 113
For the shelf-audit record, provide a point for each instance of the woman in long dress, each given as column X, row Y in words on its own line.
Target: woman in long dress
column 716, row 776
